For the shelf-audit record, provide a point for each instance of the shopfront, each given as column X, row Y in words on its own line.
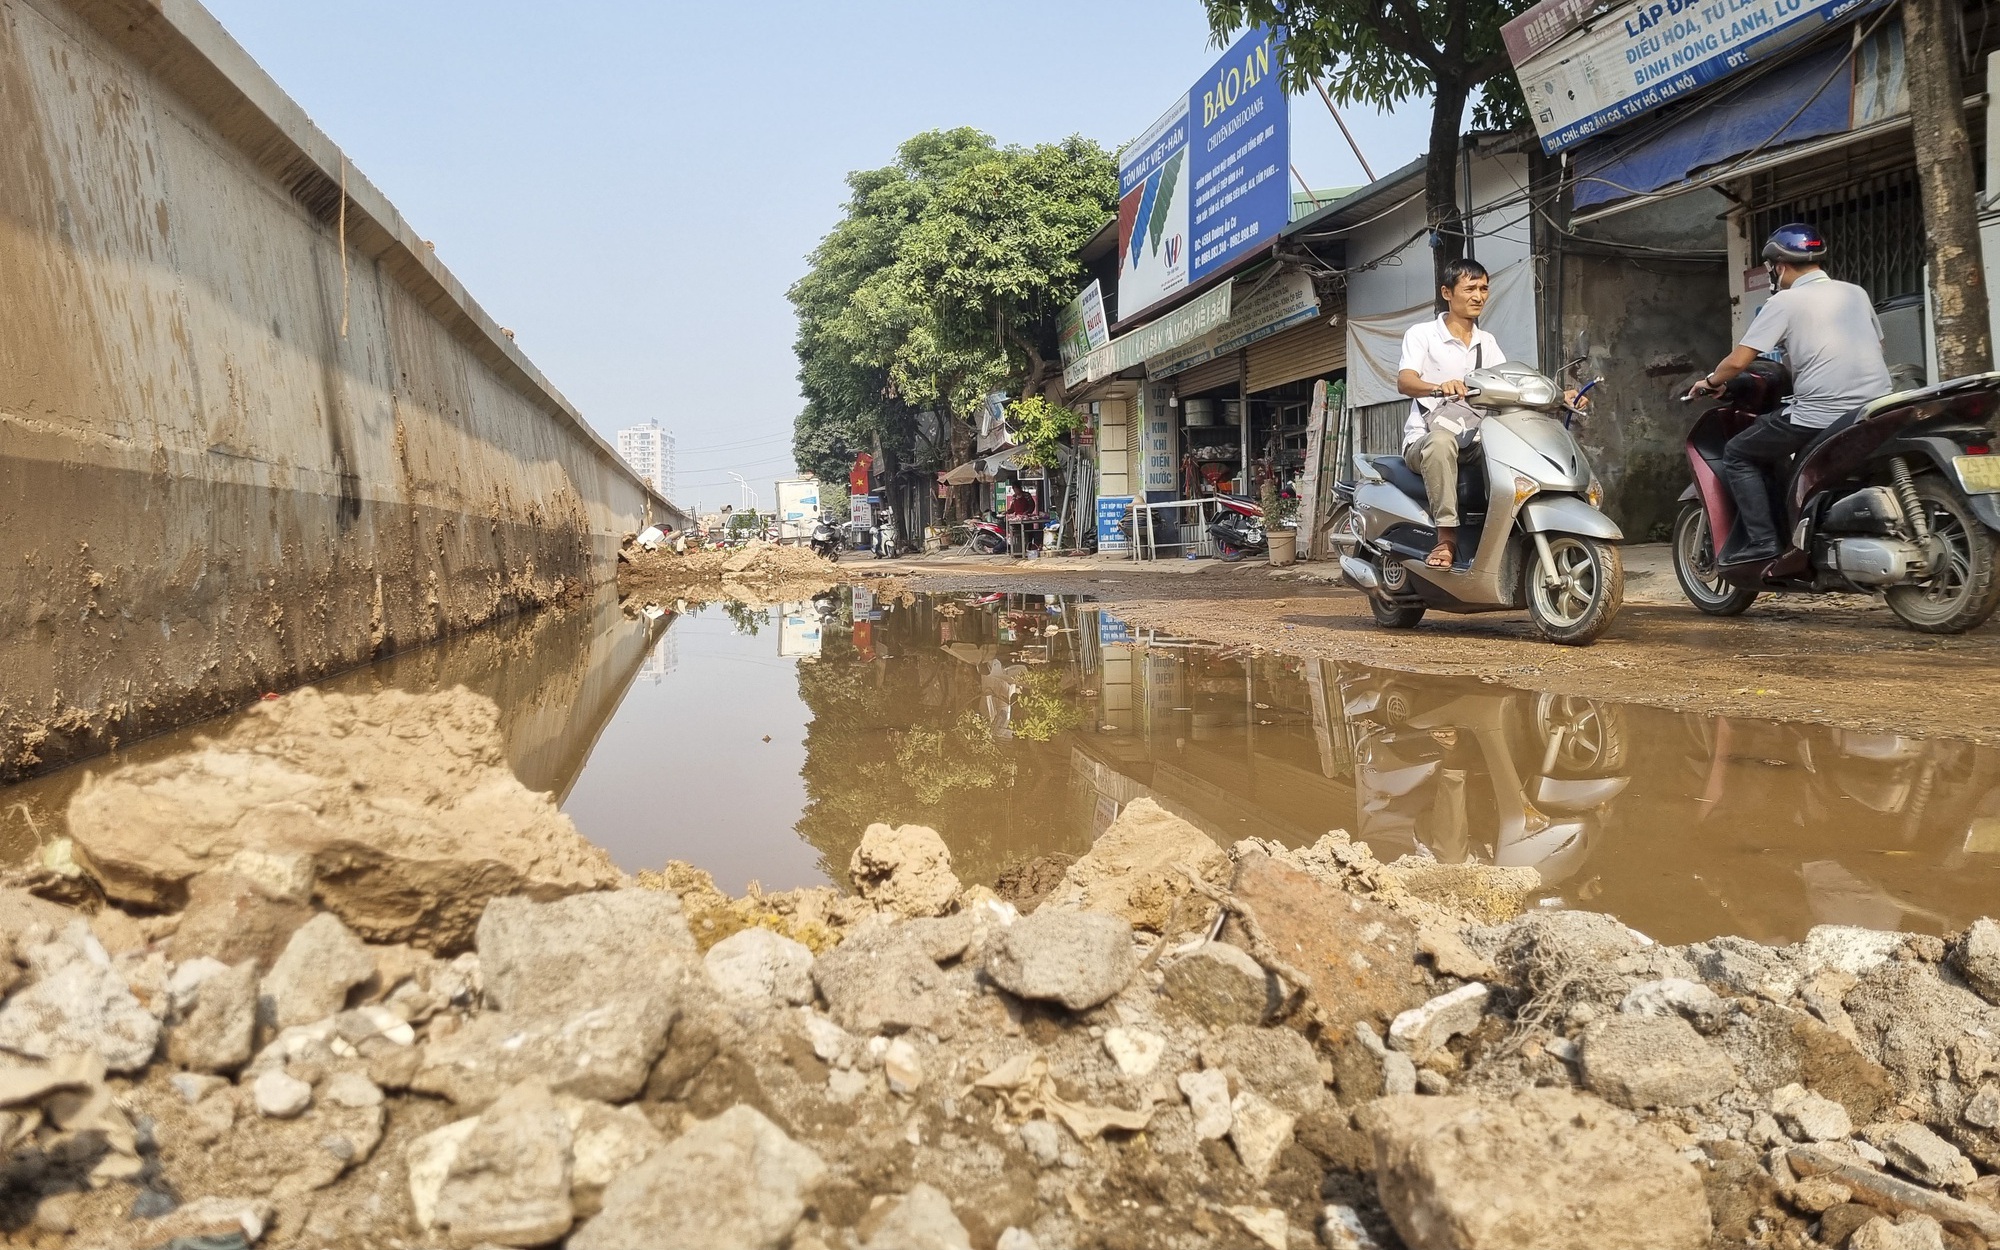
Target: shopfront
column 1237, row 402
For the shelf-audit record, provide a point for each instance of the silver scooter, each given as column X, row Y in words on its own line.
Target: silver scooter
column 1530, row 533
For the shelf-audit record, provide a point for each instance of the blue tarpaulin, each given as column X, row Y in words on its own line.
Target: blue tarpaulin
column 1816, row 92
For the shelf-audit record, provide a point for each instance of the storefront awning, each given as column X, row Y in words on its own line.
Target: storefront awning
column 1827, row 92
column 981, row 468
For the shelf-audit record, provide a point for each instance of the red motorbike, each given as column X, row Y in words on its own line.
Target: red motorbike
column 1238, row 527
column 989, row 537
column 1901, row 498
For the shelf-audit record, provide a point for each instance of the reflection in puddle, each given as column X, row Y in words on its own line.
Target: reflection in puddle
column 760, row 743
column 1018, row 726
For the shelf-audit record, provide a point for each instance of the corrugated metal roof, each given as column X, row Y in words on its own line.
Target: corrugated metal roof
column 1363, row 202
column 1305, row 203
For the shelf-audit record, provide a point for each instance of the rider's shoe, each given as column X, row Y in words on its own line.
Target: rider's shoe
column 1748, row 555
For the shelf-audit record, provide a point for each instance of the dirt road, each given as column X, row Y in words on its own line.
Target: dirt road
column 1839, row 660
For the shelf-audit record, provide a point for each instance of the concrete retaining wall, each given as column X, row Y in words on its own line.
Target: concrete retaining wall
column 228, row 462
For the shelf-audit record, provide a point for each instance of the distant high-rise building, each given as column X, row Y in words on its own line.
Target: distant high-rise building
column 649, row 449
column 662, row 660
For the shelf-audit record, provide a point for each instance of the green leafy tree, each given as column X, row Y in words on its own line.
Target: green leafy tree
column 941, row 283
column 1039, row 427
column 993, row 256
column 1382, row 52
column 853, row 322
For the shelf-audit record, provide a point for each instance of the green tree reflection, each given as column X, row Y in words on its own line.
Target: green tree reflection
column 957, row 719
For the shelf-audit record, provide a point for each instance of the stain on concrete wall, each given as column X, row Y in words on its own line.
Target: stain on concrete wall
column 1656, row 320
column 208, row 489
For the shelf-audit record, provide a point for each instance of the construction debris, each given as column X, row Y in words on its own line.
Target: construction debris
column 1262, row 1046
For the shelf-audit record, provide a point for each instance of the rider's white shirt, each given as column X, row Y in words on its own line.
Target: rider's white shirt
column 1833, row 346
column 1430, row 349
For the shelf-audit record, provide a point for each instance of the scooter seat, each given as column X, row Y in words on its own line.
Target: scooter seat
column 1397, row 472
column 1471, row 498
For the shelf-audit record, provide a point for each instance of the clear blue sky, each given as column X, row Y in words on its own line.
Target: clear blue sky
column 631, row 187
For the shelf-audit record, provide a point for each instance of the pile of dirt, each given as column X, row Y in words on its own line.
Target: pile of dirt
column 1182, row 1046
column 759, row 574
column 401, row 807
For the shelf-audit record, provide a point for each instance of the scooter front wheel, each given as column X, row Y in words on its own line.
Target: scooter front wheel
column 1694, row 567
column 1588, row 589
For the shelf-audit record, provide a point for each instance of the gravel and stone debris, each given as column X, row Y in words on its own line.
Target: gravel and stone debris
column 1185, row 1045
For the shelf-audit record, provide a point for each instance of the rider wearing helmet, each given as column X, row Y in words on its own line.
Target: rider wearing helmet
column 1833, row 345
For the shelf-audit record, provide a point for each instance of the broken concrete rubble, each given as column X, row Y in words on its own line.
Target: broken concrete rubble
column 906, row 870
column 735, row 1182
column 1545, row 1170
column 1076, row 959
column 1137, row 869
column 1653, row 1061
column 633, row 1067
column 1219, row 985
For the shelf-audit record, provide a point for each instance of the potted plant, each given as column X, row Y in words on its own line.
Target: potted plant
column 1281, row 541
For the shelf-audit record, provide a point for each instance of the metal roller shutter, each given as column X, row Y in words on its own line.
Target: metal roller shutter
column 1317, row 348
column 1222, row 371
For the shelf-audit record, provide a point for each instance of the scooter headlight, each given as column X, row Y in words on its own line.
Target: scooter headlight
column 1595, row 492
column 1522, row 489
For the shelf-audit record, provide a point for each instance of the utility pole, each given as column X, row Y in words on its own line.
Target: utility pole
column 1962, row 326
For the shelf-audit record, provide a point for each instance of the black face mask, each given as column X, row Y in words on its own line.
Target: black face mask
column 1771, row 269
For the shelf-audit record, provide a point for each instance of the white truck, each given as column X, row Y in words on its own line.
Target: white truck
column 798, row 508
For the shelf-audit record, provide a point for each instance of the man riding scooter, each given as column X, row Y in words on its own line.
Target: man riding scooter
column 1437, row 354
column 1833, row 346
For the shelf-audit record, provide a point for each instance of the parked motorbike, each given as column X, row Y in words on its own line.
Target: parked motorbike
column 989, row 537
column 825, row 540
column 1238, row 527
column 1530, row 533
column 1902, row 497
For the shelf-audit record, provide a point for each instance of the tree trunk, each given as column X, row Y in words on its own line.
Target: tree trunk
column 1945, row 179
column 1441, row 208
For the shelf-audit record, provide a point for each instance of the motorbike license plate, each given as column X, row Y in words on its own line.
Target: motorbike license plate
column 1980, row 475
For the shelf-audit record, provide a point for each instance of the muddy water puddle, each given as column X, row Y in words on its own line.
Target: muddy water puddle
column 759, row 743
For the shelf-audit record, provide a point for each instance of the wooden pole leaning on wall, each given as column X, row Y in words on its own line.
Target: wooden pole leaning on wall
column 1309, row 509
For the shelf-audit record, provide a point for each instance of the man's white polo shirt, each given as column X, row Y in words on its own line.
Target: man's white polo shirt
column 1438, row 357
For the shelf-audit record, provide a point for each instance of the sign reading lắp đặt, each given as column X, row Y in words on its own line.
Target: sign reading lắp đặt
column 1586, row 68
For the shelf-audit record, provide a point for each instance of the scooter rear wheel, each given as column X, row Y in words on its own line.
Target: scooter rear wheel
column 1694, row 567
column 1395, row 615
column 1582, row 604
column 1967, row 589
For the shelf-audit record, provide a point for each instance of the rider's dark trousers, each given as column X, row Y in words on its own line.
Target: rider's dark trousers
column 1750, row 460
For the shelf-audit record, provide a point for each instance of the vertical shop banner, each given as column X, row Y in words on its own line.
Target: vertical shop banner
column 1205, row 184
column 1586, row 69
column 1110, row 512
column 1081, row 328
column 1162, row 459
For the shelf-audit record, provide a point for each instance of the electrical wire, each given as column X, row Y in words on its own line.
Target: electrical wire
column 741, row 443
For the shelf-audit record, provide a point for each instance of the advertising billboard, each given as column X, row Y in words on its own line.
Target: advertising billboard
column 1081, row 328
column 1206, row 184
column 1585, row 69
